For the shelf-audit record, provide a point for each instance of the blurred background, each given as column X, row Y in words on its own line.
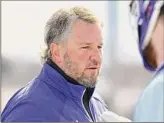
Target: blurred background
column 122, row 76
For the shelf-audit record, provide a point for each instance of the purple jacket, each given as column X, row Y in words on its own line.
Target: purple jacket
column 51, row 98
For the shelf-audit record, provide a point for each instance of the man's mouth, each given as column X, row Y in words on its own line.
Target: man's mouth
column 92, row 68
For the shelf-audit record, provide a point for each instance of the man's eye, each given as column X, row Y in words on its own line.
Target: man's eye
column 99, row 47
column 86, row 47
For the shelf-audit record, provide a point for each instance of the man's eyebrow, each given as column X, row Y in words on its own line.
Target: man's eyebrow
column 86, row 43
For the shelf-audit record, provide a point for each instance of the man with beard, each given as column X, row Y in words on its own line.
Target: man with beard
column 63, row 91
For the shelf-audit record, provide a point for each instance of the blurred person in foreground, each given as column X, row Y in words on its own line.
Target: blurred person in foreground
column 149, row 16
column 148, row 22
column 64, row 89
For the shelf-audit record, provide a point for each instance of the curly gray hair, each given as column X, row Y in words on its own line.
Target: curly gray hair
column 59, row 26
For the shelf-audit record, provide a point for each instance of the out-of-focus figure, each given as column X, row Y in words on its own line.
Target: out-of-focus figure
column 147, row 17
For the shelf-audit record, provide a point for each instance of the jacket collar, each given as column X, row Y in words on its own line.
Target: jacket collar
column 159, row 69
column 55, row 77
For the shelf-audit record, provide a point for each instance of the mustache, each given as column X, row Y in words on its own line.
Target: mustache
column 93, row 63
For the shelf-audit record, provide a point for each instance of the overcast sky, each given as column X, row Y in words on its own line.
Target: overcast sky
column 23, row 27
column 23, row 24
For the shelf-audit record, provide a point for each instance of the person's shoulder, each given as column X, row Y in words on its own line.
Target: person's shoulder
column 156, row 84
column 32, row 90
column 42, row 93
column 149, row 106
column 159, row 78
column 154, row 91
column 34, row 102
column 29, row 111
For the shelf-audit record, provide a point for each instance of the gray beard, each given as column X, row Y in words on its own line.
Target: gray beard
column 71, row 70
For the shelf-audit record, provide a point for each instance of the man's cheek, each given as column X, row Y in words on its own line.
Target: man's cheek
column 83, row 56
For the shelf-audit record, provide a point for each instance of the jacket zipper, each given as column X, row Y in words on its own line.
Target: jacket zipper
column 91, row 111
column 85, row 109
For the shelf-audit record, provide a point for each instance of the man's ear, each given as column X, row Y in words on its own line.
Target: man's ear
column 55, row 52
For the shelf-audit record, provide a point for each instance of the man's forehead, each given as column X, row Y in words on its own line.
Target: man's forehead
column 82, row 27
column 86, row 33
column 90, row 42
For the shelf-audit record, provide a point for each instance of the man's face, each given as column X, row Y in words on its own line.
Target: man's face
column 154, row 51
column 158, row 40
column 81, row 59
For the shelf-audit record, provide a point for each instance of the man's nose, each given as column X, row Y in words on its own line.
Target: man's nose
column 96, row 56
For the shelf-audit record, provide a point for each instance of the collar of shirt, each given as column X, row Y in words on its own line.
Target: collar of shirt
column 159, row 69
column 54, row 76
